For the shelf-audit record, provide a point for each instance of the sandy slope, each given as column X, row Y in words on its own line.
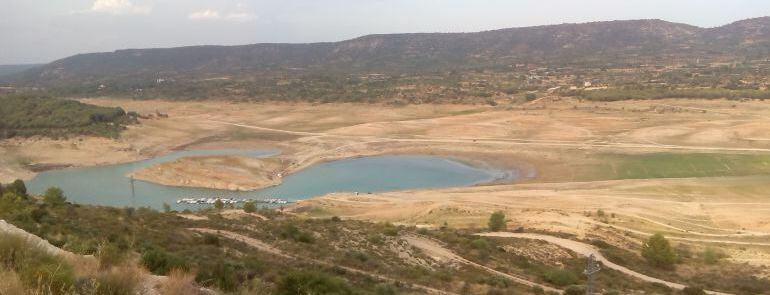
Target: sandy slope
column 226, row 172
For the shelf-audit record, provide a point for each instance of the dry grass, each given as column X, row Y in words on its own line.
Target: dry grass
column 10, row 284
column 120, row 280
column 83, row 266
column 179, row 282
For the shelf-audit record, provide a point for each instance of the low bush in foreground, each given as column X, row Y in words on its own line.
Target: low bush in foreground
column 36, row 269
column 311, row 283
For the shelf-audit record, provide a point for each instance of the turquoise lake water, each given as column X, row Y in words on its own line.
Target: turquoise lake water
column 109, row 185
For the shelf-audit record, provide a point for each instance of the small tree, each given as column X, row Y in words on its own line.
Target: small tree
column 658, row 252
column 54, row 196
column 249, row 207
column 530, row 96
column 166, row 207
column 219, row 204
column 712, row 256
column 17, row 187
column 497, row 221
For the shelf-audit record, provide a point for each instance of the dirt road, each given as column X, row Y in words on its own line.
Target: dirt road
column 438, row 252
column 586, row 250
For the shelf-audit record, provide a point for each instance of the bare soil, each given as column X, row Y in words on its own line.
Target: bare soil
column 559, row 147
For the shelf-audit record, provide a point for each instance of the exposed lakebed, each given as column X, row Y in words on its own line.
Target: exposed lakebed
column 109, row 185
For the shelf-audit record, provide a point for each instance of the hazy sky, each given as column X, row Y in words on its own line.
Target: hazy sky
column 35, row 31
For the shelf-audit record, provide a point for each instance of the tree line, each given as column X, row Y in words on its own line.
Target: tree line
column 26, row 115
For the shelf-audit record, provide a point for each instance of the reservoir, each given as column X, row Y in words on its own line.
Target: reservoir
column 110, row 186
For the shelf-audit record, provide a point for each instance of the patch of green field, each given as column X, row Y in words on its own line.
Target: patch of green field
column 671, row 165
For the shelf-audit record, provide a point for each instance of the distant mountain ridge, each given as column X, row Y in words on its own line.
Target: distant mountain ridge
column 593, row 43
column 6, row 70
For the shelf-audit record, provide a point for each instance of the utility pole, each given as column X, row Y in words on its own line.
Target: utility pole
column 133, row 194
column 592, row 267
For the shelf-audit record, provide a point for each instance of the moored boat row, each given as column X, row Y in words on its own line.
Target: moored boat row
column 233, row 201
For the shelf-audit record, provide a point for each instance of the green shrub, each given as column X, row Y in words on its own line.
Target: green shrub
column 390, row 230
column 219, row 205
column 385, row 289
column 12, row 207
column 54, row 196
column 375, row 239
column 210, row 239
column 224, row 277
column 712, row 256
column 497, row 221
column 311, row 283
column 358, row 255
column 530, row 96
column 249, row 207
column 561, row 277
column 161, row 262
column 495, row 281
column 292, row 232
column 600, row 244
column 17, row 187
column 480, row 244
column 659, row 252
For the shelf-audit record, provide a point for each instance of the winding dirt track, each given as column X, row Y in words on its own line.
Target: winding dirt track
column 438, row 252
column 586, row 250
column 262, row 246
column 696, row 240
column 508, row 141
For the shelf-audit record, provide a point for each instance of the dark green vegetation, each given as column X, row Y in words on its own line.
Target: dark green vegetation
column 325, row 251
column 636, row 59
column 31, row 115
column 658, row 252
column 249, row 207
column 496, row 221
column 659, row 93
